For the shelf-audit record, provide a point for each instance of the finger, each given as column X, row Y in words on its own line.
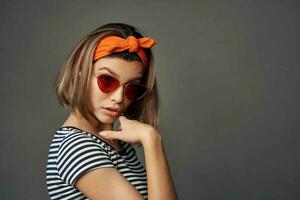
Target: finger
column 111, row 134
column 122, row 117
column 122, row 120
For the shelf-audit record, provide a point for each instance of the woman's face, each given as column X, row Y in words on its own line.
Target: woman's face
column 124, row 71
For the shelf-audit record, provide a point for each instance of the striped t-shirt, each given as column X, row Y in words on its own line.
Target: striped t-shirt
column 73, row 152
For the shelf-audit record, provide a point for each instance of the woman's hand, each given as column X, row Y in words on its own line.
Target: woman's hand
column 131, row 131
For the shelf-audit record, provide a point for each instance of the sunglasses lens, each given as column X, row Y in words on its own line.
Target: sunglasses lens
column 107, row 83
column 135, row 91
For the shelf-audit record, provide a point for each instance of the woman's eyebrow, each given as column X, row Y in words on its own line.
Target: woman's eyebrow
column 115, row 74
column 112, row 72
column 137, row 78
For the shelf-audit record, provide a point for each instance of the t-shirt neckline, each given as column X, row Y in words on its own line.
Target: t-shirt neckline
column 121, row 151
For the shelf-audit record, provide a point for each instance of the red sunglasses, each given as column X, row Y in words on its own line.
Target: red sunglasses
column 133, row 91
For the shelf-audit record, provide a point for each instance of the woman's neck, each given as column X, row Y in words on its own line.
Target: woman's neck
column 81, row 123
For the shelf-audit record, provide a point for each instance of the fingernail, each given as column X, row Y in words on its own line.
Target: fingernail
column 103, row 133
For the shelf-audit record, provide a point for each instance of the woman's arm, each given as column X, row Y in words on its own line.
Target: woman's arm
column 159, row 180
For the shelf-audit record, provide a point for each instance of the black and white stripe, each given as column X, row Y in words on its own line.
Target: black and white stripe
column 74, row 152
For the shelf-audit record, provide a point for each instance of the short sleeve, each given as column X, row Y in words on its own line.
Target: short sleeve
column 78, row 154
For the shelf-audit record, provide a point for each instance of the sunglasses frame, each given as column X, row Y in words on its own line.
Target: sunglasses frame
column 119, row 85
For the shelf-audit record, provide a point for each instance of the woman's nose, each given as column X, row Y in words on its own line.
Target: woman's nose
column 118, row 95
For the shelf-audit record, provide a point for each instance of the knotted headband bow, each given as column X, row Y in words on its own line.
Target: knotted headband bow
column 111, row 44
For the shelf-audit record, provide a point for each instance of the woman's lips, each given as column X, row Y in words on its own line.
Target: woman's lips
column 112, row 113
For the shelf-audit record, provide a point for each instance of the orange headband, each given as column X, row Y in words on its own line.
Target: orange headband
column 111, row 44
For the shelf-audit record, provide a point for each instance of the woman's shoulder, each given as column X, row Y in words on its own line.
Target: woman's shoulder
column 68, row 132
column 67, row 135
column 72, row 135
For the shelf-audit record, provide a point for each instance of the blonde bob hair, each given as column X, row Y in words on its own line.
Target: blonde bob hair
column 72, row 81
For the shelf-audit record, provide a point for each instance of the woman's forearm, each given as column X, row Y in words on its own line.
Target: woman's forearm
column 159, row 180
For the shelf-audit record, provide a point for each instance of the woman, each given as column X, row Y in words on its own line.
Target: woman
column 109, row 75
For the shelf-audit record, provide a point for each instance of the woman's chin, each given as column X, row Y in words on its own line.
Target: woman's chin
column 108, row 119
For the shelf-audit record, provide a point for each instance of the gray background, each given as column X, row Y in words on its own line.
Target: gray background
column 228, row 76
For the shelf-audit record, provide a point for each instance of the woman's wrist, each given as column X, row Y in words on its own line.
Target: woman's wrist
column 150, row 136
